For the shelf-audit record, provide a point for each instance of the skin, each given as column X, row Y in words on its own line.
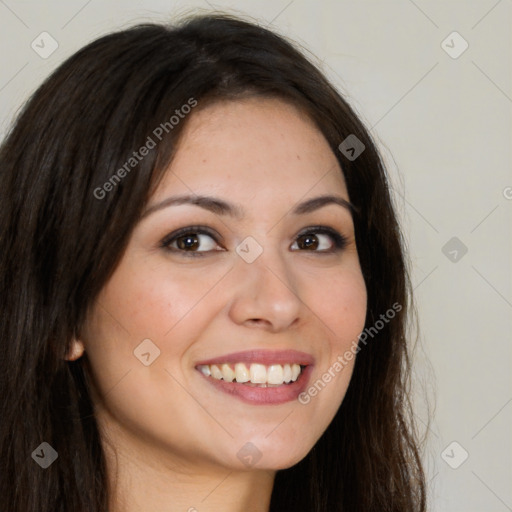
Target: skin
column 177, row 437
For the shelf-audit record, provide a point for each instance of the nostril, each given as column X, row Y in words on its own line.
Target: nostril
column 258, row 321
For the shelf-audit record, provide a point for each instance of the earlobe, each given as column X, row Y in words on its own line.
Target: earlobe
column 76, row 351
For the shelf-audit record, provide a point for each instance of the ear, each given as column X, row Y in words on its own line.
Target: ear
column 76, row 351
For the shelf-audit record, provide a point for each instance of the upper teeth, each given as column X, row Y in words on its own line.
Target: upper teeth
column 256, row 373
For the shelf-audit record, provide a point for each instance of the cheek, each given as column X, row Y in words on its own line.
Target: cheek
column 340, row 304
column 150, row 301
column 147, row 302
column 166, row 308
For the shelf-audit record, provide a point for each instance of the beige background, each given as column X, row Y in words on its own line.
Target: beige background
column 444, row 126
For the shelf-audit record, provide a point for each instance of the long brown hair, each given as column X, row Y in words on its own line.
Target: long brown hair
column 61, row 242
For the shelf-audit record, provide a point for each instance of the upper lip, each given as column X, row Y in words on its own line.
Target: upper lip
column 266, row 357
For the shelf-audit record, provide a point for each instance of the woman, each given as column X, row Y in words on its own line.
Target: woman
column 203, row 284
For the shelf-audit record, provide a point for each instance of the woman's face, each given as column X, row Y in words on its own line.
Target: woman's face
column 252, row 284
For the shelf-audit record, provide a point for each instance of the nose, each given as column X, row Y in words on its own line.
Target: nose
column 265, row 294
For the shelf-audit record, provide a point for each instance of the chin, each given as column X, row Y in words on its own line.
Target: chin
column 270, row 457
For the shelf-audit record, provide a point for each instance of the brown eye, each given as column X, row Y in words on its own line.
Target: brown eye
column 186, row 242
column 320, row 239
column 190, row 241
column 307, row 241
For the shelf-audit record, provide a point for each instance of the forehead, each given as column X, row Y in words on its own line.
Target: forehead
column 250, row 147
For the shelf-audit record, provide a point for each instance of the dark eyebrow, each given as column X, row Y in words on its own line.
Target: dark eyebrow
column 221, row 207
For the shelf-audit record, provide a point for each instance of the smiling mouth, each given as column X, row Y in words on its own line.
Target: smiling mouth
column 255, row 374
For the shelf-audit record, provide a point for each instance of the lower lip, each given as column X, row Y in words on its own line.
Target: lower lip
column 264, row 396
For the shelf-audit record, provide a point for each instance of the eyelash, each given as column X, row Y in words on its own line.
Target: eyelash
column 339, row 240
